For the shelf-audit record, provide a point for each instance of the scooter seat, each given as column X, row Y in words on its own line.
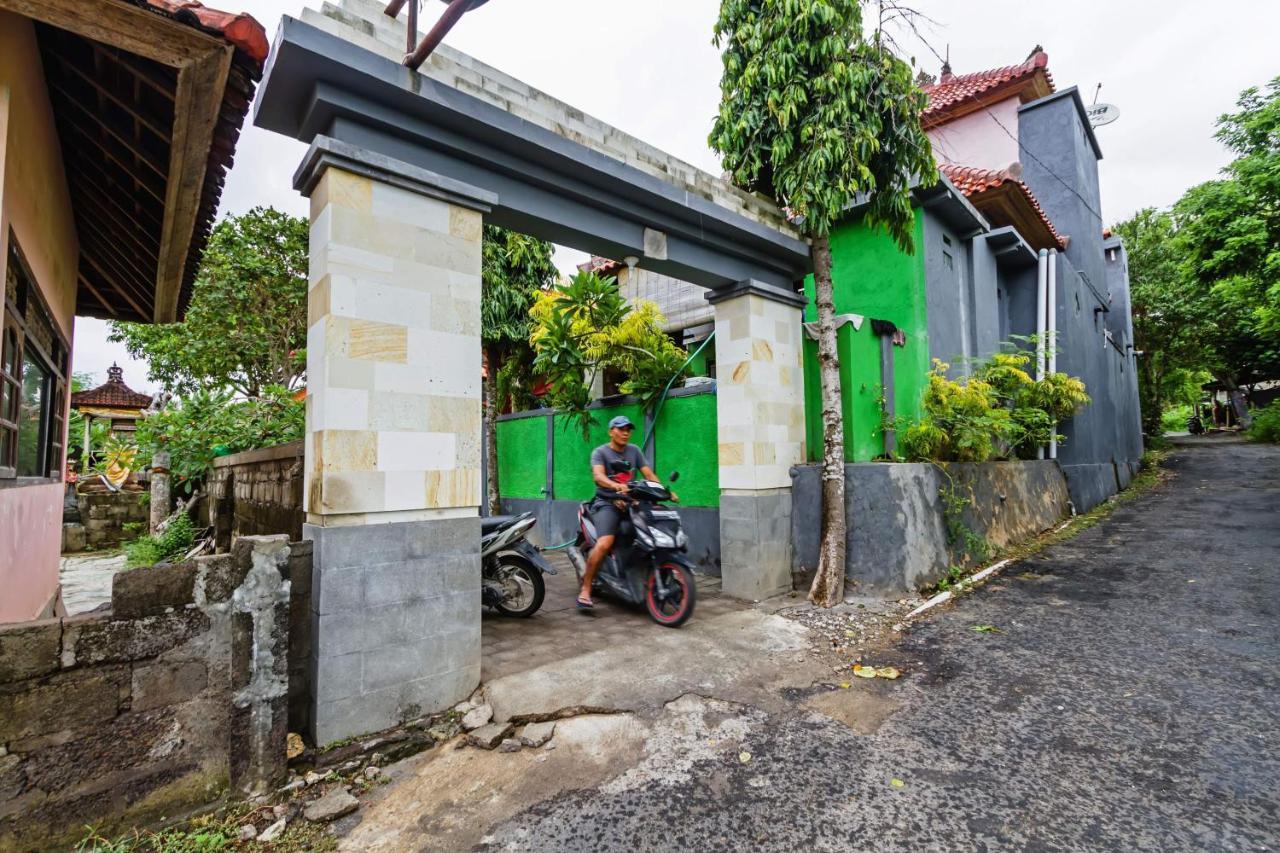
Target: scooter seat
column 494, row 522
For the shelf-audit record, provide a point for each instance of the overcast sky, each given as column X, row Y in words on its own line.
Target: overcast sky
column 649, row 68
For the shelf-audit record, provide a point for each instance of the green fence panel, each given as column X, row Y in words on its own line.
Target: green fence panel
column 522, row 457
column 573, row 453
column 686, row 439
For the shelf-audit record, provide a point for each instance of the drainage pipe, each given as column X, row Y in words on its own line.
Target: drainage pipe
column 1042, row 269
column 1051, row 326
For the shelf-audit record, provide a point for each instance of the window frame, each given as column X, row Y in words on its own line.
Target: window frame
column 20, row 309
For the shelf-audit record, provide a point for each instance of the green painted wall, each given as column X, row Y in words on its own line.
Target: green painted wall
column 522, row 457
column 573, row 453
column 876, row 279
column 686, row 440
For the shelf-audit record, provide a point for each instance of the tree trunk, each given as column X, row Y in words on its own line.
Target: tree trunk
column 491, row 432
column 1237, row 400
column 828, row 583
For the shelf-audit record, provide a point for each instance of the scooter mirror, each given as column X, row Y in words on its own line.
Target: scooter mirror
column 675, row 475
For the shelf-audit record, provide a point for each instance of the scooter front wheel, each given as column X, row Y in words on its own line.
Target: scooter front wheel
column 670, row 594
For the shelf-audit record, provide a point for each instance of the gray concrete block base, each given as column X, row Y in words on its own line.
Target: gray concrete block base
column 755, row 543
column 395, row 612
column 1090, row 484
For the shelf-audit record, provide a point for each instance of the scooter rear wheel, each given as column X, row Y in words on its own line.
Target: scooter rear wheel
column 674, row 610
column 526, row 583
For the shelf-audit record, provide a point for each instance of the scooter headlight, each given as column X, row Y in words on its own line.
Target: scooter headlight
column 682, row 541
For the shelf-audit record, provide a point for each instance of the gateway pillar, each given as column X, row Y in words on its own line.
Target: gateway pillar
column 393, row 485
column 760, row 407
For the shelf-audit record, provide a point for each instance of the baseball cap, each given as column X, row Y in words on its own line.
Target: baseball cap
column 621, row 422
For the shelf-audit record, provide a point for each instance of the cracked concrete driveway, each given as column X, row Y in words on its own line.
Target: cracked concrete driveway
column 1123, row 693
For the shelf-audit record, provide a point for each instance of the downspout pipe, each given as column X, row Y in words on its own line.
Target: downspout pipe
column 1051, row 321
column 1042, row 270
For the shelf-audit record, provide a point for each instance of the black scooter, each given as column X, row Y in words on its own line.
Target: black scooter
column 648, row 564
column 511, row 567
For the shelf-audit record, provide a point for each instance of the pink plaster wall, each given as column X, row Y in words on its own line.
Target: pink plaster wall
column 977, row 140
column 30, row 539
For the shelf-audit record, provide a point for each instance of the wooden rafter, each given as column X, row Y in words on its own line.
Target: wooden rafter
column 103, row 92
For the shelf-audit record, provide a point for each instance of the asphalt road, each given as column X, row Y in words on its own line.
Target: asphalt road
column 1128, row 699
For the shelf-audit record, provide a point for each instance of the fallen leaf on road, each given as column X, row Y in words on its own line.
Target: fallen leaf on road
column 744, row 757
column 844, row 685
column 864, row 671
column 986, row 629
column 897, row 783
column 889, row 672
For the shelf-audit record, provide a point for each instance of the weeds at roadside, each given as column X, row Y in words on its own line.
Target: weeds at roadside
column 1150, row 475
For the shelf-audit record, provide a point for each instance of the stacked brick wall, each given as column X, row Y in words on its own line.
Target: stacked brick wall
column 105, row 514
column 171, row 699
column 256, row 493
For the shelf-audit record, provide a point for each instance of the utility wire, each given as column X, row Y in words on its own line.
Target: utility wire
column 1008, row 133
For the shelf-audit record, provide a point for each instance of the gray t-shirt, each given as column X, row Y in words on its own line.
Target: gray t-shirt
column 630, row 456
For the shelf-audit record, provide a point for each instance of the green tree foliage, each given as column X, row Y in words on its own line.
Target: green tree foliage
column 514, row 270
column 584, row 327
column 1228, row 235
column 818, row 115
column 246, row 327
column 1266, row 424
column 197, row 428
column 1170, row 314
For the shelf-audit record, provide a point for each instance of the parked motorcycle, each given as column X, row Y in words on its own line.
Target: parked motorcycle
column 647, row 565
column 1195, row 426
column 511, row 566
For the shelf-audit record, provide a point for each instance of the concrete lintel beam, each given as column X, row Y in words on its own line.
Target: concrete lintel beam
column 326, row 151
column 549, row 185
column 752, row 287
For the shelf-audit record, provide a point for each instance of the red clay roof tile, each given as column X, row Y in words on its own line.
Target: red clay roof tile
column 955, row 91
column 113, row 394
column 973, row 182
column 241, row 30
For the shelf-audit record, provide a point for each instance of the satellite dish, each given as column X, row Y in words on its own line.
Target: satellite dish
column 1100, row 114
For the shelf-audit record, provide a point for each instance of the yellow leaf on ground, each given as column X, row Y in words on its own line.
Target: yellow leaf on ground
column 897, row 783
column 744, row 757
column 844, row 685
column 864, row 671
column 890, row 672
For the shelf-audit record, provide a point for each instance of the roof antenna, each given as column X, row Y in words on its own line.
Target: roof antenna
column 1096, row 92
column 946, row 65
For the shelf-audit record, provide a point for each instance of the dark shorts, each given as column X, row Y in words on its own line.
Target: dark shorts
column 606, row 517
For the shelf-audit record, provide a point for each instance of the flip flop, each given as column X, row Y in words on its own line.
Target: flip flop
column 585, row 605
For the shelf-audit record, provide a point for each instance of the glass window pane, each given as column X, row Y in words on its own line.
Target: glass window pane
column 32, row 417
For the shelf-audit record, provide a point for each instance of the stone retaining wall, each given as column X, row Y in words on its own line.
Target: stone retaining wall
column 256, row 493
column 104, row 516
column 897, row 527
column 169, row 700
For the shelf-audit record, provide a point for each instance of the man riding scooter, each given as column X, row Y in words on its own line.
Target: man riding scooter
column 613, row 466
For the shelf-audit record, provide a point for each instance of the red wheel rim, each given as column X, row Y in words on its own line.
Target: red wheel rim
column 655, row 608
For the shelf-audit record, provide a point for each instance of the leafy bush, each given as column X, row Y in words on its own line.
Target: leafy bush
column 191, row 428
column 999, row 411
column 1266, row 424
column 175, row 541
column 1175, row 419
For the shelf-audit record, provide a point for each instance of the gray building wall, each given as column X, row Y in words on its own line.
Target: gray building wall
column 948, row 294
column 1103, row 443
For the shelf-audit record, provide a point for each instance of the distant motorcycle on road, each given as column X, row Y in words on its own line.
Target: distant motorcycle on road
column 1195, row 426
